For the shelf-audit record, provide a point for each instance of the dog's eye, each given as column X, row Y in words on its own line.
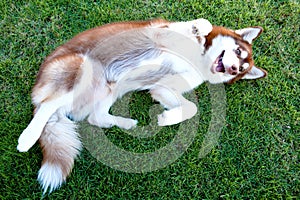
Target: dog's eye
column 241, row 68
column 238, row 52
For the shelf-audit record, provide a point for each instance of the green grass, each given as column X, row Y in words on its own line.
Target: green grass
column 257, row 156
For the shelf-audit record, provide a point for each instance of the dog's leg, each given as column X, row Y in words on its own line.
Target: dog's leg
column 100, row 116
column 198, row 27
column 179, row 108
column 33, row 131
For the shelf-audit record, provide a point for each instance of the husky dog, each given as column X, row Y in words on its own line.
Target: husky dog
column 85, row 76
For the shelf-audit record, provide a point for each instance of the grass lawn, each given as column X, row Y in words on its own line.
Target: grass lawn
column 257, row 156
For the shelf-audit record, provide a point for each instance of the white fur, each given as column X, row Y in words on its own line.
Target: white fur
column 186, row 28
column 246, row 65
column 244, row 54
column 230, row 59
column 50, row 177
column 190, row 29
column 32, row 133
column 177, row 114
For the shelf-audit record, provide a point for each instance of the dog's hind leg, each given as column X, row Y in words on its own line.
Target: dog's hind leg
column 101, row 117
column 178, row 108
column 46, row 109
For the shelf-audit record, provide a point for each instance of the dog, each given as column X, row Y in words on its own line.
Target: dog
column 85, row 76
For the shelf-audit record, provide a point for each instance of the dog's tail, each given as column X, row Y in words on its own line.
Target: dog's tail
column 61, row 145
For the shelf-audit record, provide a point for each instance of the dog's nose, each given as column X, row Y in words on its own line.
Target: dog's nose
column 233, row 70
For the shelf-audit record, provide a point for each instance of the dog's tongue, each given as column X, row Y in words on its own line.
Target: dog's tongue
column 220, row 67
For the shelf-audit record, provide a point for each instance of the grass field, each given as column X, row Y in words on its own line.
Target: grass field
column 257, row 156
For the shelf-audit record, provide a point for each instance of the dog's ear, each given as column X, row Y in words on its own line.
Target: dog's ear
column 255, row 73
column 250, row 34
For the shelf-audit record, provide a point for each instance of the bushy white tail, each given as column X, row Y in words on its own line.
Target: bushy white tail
column 61, row 145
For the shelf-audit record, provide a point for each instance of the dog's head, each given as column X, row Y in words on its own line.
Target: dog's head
column 230, row 54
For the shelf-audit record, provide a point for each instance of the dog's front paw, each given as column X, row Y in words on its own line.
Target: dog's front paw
column 201, row 27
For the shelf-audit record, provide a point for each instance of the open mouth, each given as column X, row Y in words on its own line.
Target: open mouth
column 218, row 64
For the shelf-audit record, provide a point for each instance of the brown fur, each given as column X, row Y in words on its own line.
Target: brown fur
column 68, row 54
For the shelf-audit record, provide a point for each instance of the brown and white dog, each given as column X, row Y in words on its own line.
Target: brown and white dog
column 84, row 77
